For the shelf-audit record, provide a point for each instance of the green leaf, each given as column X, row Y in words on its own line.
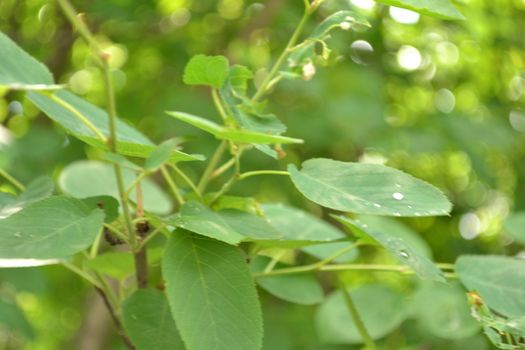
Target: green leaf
column 367, row 189
column 381, row 308
column 148, row 322
column 515, row 226
column 435, row 8
column 109, row 204
column 38, row 189
column 404, row 252
column 206, row 70
column 336, row 20
column 300, row 288
column 14, row 319
column 499, row 280
column 211, row 294
column 160, row 155
column 326, row 250
column 20, row 71
column 238, row 79
column 66, row 109
column 120, row 265
column 230, row 226
column 230, row 134
column 87, row 178
column 443, row 310
column 55, row 227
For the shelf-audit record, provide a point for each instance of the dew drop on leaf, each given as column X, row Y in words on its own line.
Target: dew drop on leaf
column 398, row 196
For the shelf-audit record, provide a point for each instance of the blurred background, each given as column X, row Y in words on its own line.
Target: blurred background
column 441, row 100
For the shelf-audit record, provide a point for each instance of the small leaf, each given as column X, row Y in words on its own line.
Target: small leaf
column 130, row 142
column 109, row 204
column 435, row 8
column 300, row 288
column 230, row 134
column 230, row 226
column 217, row 306
column 148, row 321
column 83, row 179
column 421, row 265
column 206, row 70
column 20, row 71
column 38, row 189
column 515, row 226
column 160, row 155
column 443, row 310
column 55, row 227
column 367, row 189
column 381, row 309
column 336, row 20
column 238, row 78
column 499, row 280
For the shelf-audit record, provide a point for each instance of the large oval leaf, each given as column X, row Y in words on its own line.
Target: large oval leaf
column 381, row 309
column 230, row 226
column 55, row 227
column 499, row 280
column 402, row 250
column 85, row 178
column 211, row 294
column 367, row 189
column 148, row 322
column 435, row 8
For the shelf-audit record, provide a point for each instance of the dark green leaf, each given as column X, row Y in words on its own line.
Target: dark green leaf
column 211, row 294
column 367, row 189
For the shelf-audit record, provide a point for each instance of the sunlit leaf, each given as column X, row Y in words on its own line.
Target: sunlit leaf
column 209, row 287
column 435, row 8
column 206, row 70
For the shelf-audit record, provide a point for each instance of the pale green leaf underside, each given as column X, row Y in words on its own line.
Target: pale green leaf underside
column 131, row 142
column 230, row 226
column 381, row 308
column 499, row 280
column 206, row 70
column 211, row 294
column 300, row 288
column 85, row 178
column 55, row 227
column 405, row 253
column 515, row 226
column 367, row 189
column 148, row 322
column 435, row 8
column 230, row 134
column 18, row 70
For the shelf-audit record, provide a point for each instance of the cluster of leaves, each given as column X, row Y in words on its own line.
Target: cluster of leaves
column 214, row 248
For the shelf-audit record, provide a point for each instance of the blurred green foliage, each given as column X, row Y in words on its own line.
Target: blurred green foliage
column 440, row 100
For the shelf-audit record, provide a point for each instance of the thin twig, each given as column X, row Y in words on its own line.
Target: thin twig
column 116, row 320
column 205, row 178
column 12, row 180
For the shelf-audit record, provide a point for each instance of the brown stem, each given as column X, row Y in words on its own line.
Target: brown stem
column 141, row 256
column 116, row 320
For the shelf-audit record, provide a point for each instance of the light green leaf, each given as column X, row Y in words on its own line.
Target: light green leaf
column 14, row 319
column 217, row 307
column 381, row 308
column 230, row 134
column 499, row 280
column 443, row 310
column 160, row 155
column 435, row 8
column 515, row 226
column 337, row 20
column 148, row 322
column 238, row 78
column 300, row 288
column 55, row 227
column 367, row 189
column 404, row 252
column 85, row 178
column 66, row 109
column 230, row 225
column 20, row 71
column 38, row 189
column 118, row 265
column 206, row 70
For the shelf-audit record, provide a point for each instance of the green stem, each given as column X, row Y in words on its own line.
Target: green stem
column 172, row 185
column 262, row 172
column 12, row 180
column 205, row 178
column 220, row 170
column 82, row 274
column 218, row 104
column 117, row 232
column 361, row 328
column 262, row 90
column 135, row 182
column 186, row 179
column 151, row 236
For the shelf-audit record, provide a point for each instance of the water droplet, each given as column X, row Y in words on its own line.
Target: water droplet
column 417, row 214
column 409, row 206
column 377, row 205
column 397, row 214
column 364, row 226
column 18, row 234
column 398, row 185
column 398, row 196
column 404, row 254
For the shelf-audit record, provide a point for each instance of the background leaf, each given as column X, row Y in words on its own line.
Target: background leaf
column 218, row 308
column 515, row 226
column 435, row 8
column 206, row 70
